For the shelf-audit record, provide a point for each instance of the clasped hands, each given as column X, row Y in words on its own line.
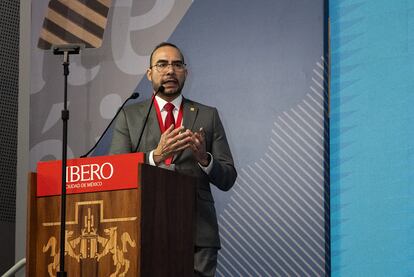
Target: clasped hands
column 173, row 141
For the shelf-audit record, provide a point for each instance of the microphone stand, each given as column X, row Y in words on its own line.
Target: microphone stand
column 65, row 50
column 135, row 95
column 160, row 89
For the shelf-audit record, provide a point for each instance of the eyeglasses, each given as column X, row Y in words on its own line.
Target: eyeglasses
column 162, row 67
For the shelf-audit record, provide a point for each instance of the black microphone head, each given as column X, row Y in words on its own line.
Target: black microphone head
column 161, row 89
column 135, row 95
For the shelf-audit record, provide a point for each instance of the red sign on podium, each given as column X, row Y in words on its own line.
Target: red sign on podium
column 103, row 173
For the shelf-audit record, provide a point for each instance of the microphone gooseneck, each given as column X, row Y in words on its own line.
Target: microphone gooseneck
column 160, row 90
column 134, row 95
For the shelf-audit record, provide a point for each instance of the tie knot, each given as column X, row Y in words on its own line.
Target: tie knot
column 169, row 107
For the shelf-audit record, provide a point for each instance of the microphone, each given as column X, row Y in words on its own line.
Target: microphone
column 160, row 90
column 134, row 95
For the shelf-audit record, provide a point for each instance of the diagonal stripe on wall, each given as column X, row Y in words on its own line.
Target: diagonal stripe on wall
column 274, row 224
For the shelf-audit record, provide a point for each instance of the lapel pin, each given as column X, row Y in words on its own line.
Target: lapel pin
column 192, row 109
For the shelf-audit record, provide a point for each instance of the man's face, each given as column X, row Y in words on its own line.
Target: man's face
column 172, row 79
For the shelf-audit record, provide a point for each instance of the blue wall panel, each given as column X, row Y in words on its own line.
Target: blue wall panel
column 372, row 157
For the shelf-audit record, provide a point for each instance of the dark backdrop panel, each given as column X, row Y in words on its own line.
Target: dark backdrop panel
column 9, row 77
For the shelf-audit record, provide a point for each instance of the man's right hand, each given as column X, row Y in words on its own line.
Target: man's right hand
column 172, row 142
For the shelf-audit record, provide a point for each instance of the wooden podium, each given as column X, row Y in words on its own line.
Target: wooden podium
column 115, row 225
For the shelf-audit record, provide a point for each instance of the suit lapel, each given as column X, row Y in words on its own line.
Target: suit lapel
column 190, row 112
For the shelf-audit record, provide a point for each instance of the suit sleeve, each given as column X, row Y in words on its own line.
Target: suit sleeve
column 223, row 174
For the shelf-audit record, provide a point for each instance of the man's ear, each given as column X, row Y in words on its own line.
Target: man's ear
column 149, row 74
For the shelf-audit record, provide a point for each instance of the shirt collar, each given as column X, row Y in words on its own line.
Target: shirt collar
column 176, row 102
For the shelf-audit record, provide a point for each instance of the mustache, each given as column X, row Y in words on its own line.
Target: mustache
column 170, row 80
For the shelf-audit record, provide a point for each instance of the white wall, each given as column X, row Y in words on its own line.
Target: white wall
column 23, row 129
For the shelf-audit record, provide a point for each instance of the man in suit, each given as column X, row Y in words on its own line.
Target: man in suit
column 185, row 136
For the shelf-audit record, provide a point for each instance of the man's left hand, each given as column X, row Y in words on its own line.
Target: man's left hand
column 198, row 146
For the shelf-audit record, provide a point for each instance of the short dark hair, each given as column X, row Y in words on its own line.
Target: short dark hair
column 162, row 44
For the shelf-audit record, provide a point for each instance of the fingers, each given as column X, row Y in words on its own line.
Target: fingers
column 176, row 145
column 198, row 146
column 171, row 132
column 177, row 141
column 182, row 147
column 174, row 141
column 176, row 138
column 198, row 140
column 194, row 148
column 202, row 132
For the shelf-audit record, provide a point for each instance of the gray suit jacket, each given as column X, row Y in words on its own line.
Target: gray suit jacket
column 195, row 115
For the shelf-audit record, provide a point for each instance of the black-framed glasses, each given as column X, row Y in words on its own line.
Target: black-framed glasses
column 162, row 67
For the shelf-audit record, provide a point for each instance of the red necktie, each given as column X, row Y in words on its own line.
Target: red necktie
column 169, row 120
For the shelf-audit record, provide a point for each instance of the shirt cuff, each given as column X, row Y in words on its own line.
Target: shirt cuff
column 162, row 165
column 207, row 169
column 151, row 158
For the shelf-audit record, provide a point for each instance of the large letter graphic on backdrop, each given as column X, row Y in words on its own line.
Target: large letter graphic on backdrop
column 261, row 64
